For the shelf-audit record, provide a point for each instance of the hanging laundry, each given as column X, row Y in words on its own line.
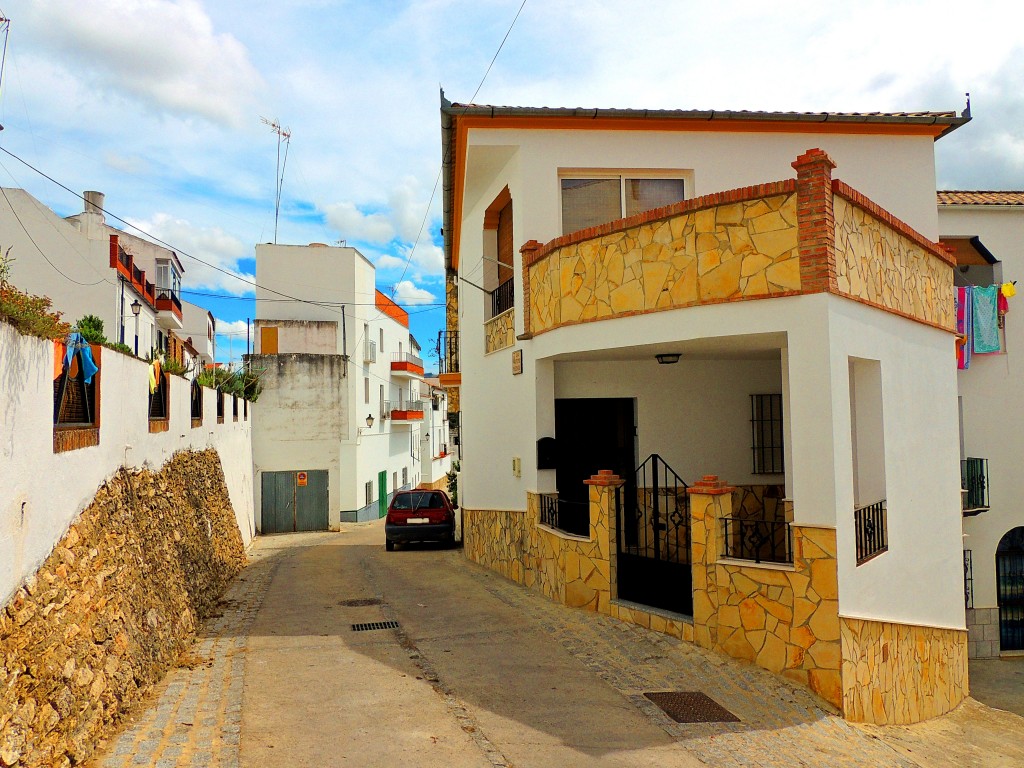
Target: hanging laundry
column 154, row 375
column 76, row 343
column 985, row 319
column 963, row 327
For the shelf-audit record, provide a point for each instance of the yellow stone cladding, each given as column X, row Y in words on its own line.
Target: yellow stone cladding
column 895, row 674
column 875, row 263
column 785, row 620
column 731, row 251
column 499, row 331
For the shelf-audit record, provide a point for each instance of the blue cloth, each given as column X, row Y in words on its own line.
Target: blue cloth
column 77, row 343
column 985, row 318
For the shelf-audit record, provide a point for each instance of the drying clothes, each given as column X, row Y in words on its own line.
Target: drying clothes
column 76, row 343
column 963, row 327
column 154, row 375
column 1009, row 290
column 985, row 317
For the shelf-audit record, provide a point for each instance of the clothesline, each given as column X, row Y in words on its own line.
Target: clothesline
column 979, row 320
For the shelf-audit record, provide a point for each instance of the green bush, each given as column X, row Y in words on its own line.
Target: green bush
column 91, row 328
column 245, row 383
column 119, row 347
column 453, row 483
column 31, row 315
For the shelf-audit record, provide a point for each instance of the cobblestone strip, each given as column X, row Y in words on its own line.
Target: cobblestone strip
column 197, row 717
column 781, row 724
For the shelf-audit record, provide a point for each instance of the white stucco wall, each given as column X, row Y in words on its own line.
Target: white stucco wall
column 993, row 396
column 41, row 493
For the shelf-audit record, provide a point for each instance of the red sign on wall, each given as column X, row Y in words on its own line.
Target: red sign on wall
column 301, row 478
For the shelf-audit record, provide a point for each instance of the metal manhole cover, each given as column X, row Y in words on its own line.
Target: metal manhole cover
column 691, row 707
column 355, row 602
column 371, row 625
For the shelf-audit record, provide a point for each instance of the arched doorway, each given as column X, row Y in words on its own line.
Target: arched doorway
column 1010, row 590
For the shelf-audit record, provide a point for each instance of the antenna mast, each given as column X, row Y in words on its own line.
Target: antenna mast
column 285, row 135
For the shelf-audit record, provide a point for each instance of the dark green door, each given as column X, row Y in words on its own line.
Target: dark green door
column 382, row 494
column 294, row 501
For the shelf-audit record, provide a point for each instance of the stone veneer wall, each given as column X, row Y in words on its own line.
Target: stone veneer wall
column 499, row 331
column 889, row 268
column 699, row 251
column 895, row 674
column 112, row 607
column 783, row 619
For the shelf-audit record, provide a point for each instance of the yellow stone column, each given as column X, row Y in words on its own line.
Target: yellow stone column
column 588, row 576
column 710, row 501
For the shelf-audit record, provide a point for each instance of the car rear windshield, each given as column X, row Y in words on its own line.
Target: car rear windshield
column 418, row 500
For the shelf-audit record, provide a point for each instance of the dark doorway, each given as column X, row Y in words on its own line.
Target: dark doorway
column 1010, row 590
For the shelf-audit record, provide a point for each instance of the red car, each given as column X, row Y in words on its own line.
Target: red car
column 419, row 516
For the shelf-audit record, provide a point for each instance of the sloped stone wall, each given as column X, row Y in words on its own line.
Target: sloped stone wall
column 112, row 607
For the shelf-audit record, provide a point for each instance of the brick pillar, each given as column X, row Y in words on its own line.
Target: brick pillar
column 529, row 251
column 816, row 222
column 710, row 501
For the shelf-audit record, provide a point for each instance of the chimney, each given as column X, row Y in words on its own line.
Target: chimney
column 93, row 202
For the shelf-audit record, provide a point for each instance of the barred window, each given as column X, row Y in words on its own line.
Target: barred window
column 766, row 434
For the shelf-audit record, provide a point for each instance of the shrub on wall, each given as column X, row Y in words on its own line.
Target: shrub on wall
column 30, row 315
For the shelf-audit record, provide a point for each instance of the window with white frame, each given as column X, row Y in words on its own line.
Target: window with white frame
column 369, row 492
column 592, row 199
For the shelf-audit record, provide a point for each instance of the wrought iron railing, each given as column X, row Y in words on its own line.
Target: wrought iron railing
column 870, row 530
column 763, row 541
column 197, row 400
column 657, row 523
column 503, row 298
column 567, row 516
column 158, row 398
column 448, row 351
column 974, row 480
column 399, row 357
column 968, row 580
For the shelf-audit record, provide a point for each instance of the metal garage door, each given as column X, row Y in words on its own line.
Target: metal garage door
column 294, row 501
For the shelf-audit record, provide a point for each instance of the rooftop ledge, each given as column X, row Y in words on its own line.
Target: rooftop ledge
column 798, row 236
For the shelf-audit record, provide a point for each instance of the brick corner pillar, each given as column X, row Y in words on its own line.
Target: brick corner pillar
column 816, row 222
column 710, row 501
column 529, row 252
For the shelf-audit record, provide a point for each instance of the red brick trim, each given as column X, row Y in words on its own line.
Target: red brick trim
column 529, row 251
column 605, row 478
column 851, row 195
column 713, row 200
column 710, row 485
column 816, row 224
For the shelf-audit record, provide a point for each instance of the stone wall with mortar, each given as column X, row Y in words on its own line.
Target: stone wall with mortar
column 740, row 249
column 500, row 332
column 112, row 607
column 983, row 633
column 782, row 618
column 885, row 267
column 895, row 674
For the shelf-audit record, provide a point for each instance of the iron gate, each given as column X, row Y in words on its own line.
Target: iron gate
column 653, row 541
column 1010, row 581
column 294, row 501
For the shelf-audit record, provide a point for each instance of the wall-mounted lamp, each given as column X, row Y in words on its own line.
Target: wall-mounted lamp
column 369, row 420
column 667, row 358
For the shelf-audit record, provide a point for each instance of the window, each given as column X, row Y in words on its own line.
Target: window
column 394, row 481
column 588, row 202
column 366, row 390
column 382, row 341
column 369, row 491
column 766, row 429
column 405, row 475
column 383, row 412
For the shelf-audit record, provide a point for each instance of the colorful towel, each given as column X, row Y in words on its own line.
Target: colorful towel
column 77, row 344
column 985, row 317
column 963, row 327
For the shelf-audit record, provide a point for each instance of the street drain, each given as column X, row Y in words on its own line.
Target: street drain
column 355, row 602
column 371, row 625
column 691, row 707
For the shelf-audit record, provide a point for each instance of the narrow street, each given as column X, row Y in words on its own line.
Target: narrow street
column 481, row 672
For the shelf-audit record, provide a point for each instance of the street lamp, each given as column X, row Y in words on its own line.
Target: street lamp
column 136, row 308
column 369, row 420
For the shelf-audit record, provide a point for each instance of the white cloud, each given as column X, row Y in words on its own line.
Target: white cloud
column 163, row 53
column 353, row 224
column 211, row 244
column 232, row 327
column 390, row 262
column 406, row 293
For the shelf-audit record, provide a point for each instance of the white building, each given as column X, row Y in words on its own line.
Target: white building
column 340, row 419
column 810, row 402
column 199, row 330
column 986, row 230
column 435, row 439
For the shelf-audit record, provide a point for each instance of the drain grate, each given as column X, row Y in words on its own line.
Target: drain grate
column 371, row 625
column 691, row 707
column 355, row 602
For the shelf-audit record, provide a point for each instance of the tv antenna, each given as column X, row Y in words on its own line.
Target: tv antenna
column 283, row 135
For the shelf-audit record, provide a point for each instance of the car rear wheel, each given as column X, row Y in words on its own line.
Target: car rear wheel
column 389, row 546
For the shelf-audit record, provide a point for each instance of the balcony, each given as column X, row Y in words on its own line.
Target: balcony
column 449, row 373
column 404, row 412
column 503, row 298
column 370, row 352
column 168, row 309
column 406, row 366
column 974, row 486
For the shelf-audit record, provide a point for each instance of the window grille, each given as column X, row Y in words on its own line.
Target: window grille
column 766, row 433
column 369, row 491
column 968, row 580
column 74, row 401
column 870, row 524
column 197, row 401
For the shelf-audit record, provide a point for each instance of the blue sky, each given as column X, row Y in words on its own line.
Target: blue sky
column 157, row 103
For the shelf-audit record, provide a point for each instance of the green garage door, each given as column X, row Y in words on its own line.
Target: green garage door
column 294, row 501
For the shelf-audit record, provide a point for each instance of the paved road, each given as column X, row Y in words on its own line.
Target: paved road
column 482, row 672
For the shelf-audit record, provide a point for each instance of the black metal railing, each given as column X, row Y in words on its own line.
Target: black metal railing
column 503, row 298
column 968, row 580
column 197, row 400
column 763, row 541
column 870, row 530
column 974, row 480
column 563, row 515
column 657, row 520
column 448, row 351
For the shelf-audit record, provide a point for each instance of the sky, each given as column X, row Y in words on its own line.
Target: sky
column 159, row 104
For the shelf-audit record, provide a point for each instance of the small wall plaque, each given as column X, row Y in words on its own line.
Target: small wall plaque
column 302, row 478
column 517, row 362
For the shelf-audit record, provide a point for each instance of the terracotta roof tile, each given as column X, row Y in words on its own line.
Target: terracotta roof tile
column 980, row 197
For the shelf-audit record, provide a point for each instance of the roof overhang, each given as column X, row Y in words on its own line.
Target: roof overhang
column 969, row 251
